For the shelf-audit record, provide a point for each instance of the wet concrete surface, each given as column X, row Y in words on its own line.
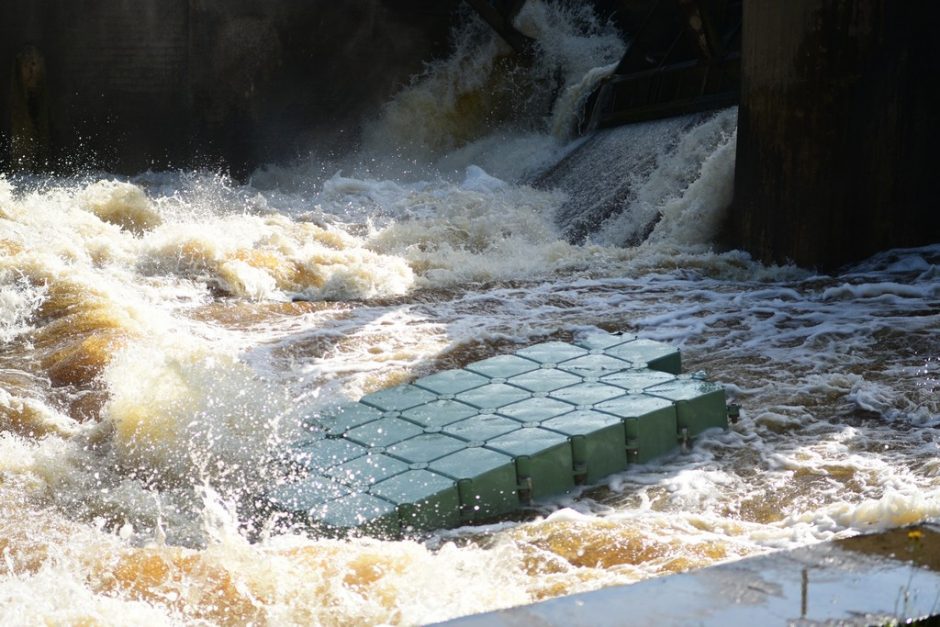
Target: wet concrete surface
column 886, row 578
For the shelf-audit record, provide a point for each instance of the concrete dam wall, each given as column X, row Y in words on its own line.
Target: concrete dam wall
column 128, row 85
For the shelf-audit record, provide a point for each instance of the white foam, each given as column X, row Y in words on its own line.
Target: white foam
column 450, row 260
column 479, row 93
column 55, row 595
column 18, row 301
column 477, row 180
column 187, row 410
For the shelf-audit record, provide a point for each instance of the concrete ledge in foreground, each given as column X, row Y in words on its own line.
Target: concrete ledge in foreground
column 885, row 578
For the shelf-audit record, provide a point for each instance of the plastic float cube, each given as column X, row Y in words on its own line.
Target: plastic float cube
column 552, row 352
column 503, row 366
column 650, row 422
column 347, row 417
column 598, row 443
column 452, row 382
column 398, row 398
column 492, row 395
column 700, row 404
column 588, row 393
column 440, row 413
column 386, row 432
column 486, row 481
column 482, row 427
column 647, row 354
column 544, row 465
column 467, row 445
column 362, row 472
column 329, row 453
column 591, row 367
column 425, row 448
column 640, row 353
column 544, row 380
column 306, row 494
column 424, row 500
column 536, row 410
column 365, row 513
column 638, row 379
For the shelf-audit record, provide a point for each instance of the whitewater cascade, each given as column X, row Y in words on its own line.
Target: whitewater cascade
column 164, row 335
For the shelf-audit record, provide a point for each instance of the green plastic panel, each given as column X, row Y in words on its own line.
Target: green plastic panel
column 320, row 454
column 362, row 512
column 544, row 380
column 551, row 352
column 544, row 465
column 637, row 380
column 425, row 500
column 468, row 445
column 482, row 427
column 486, row 481
column 382, row 433
column 364, row 471
column 439, row 413
column 594, row 366
column 700, row 404
column 426, row 447
column 451, row 382
column 306, row 494
column 642, row 353
column 348, row 417
column 493, row 395
column 536, row 409
column 399, row 398
column 651, row 436
column 598, row 443
column 650, row 423
column 588, row 393
column 503, row 366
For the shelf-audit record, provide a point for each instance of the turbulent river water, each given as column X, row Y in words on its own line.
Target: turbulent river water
column 164, row 336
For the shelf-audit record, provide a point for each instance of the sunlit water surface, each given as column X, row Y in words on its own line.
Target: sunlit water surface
column 164, row 336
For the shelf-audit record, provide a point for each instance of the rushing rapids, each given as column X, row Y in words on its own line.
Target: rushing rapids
column 163, row 337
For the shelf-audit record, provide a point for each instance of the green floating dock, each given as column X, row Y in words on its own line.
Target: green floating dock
column 468, row 445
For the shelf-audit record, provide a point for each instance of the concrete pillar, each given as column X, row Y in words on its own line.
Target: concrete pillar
column 838, row 129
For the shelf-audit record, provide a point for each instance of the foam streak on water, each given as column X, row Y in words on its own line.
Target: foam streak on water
column 164, row 337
